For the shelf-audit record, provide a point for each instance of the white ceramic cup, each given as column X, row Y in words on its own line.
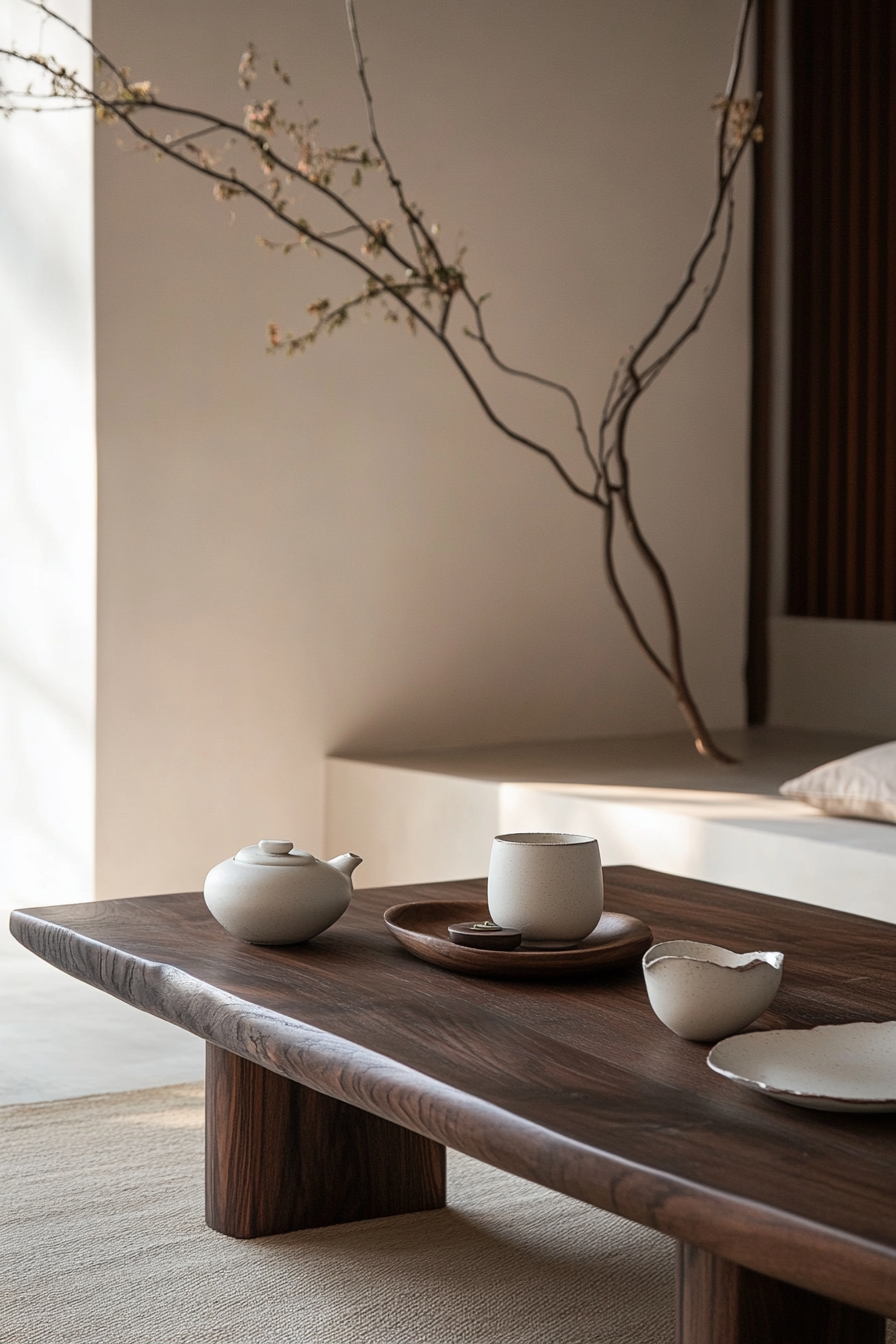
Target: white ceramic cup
column 548, row 885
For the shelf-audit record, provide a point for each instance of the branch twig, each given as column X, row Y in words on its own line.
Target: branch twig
column 428, row 283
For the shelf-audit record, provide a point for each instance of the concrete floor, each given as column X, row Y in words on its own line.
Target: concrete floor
column 60, row 1038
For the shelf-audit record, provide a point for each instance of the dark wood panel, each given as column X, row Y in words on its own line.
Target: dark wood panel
column 721, row 1303
column 762, row 301
column 842, row 505
column 578, row 1087
column 280, row 1157
column 886, row 331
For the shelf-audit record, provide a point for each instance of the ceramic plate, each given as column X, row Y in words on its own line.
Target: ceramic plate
column 422, row 928
column 846, row 1068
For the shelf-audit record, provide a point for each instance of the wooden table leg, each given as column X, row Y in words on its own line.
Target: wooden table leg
column 719, row 1302
column 279, row 1157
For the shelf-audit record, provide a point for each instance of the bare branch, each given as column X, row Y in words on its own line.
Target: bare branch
column 428, row 283
column 482, row 338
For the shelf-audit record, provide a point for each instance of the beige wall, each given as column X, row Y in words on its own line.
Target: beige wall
column 833, row 674
column 337, row 552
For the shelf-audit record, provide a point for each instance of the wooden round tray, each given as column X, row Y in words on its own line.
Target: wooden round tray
column 422, row 928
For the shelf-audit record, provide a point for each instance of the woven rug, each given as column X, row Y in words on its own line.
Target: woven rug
column 103, row 1242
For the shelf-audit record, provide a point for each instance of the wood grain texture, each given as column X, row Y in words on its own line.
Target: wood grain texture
column 842, row 493
column 578, row 1087
column 280, row 1157
column 761, row 389
column 718, row 1302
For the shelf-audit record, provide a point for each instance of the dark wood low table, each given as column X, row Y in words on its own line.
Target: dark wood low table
column 339, row 1069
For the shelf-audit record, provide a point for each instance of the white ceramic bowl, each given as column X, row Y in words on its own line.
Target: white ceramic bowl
column 703, row 992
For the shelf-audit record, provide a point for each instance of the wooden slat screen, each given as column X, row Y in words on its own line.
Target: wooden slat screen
column 842, row 505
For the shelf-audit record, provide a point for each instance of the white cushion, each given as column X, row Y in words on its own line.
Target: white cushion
column 861, row 785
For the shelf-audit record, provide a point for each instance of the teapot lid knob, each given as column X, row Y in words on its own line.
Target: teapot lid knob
column 275, row 846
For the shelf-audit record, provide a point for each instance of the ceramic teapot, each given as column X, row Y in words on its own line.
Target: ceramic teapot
column 273, row 893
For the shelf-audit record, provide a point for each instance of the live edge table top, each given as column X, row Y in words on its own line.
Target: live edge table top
column 575, row 1085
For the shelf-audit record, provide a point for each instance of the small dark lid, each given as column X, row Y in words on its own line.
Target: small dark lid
column 485, row 933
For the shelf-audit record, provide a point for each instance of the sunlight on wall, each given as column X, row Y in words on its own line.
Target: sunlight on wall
column 47, row 490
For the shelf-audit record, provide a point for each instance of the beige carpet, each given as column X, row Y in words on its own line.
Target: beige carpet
column 103, row 1242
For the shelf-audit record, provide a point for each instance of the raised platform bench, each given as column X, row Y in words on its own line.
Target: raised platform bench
column 649, row 800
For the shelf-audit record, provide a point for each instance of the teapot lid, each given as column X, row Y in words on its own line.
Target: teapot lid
column 278, row 853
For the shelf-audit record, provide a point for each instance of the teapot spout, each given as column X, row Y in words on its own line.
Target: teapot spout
column 346, row 863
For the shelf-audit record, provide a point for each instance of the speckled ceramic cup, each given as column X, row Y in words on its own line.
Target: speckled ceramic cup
column 546, row 884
